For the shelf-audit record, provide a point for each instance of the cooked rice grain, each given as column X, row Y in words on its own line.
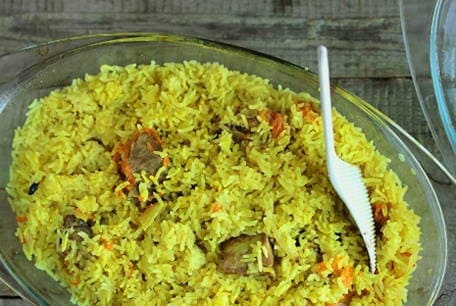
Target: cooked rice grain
column 168, row 252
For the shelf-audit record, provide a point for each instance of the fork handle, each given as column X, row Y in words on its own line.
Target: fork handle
column 325, row 101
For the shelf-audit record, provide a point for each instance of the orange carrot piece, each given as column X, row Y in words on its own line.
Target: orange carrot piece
column 21, row 219
column 216, row 206
column 335, row 263
column 277, row 123
column 347, row 276
column 152, row 132
column 308, row 113
column 108, row 245
column 379, row 217
column 320, row 267
column 166, row 161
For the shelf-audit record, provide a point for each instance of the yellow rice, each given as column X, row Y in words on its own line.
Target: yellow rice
column 168, row 254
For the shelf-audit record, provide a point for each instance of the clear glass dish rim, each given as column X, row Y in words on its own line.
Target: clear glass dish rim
column 427, row 97
column 436, row 78
column 372, row 112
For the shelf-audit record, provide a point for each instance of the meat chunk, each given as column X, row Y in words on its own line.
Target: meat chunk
column 142, row 156
column 78, row 225
column 239, row 133
column 137, row 154
column 234, row 250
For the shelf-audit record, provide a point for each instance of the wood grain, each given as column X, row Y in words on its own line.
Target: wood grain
column 293, row 39
column 5, row 291
column 13, row 302
column 287, row 29
column 296, row 8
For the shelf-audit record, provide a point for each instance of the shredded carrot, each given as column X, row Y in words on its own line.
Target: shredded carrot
column 128, row 172
column 277, row 124
column 120, row 152
column 75, row 282
column 21, row 219
column 166, row 161
column 347, row 276
column 120, row 155
column 152, row 132
column 320, row 267
column 345, row 272
column 108, row 245
column 379, row 216
column 308, row 113
column 275, row 120
column 216, row 206
column 335, row 263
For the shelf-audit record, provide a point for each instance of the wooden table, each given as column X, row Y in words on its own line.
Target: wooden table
column 364, row 37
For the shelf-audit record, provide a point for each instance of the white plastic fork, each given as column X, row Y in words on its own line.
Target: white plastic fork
column 344, row 177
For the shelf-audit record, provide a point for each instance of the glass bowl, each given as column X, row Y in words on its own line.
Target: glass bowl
column 33, row 72
column 430, row 43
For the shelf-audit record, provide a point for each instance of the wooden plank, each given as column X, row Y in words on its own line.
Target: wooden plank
column 295, row 8
column 358, row 47
column 14, row 302
column 5, row 291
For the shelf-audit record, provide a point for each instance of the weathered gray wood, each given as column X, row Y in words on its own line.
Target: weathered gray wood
column 13, row 302
column 296, row 8
column 284, row 28
column 5, row 291
column 294, row 39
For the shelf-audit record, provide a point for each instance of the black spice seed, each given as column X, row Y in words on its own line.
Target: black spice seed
column 33, row 188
